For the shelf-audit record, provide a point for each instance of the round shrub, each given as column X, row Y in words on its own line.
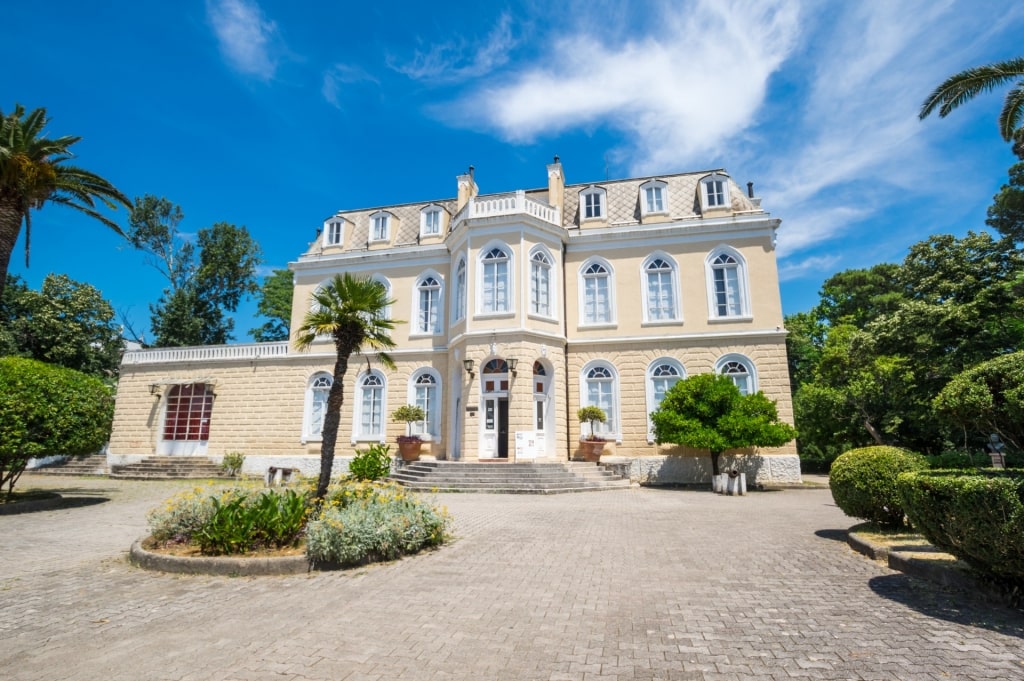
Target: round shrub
column 976, row 516
column 863, row 483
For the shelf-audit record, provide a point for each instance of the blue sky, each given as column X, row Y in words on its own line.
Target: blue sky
column 275, row 114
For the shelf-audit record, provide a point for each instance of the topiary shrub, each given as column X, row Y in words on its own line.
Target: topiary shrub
column 977, row 516
column 863, row 483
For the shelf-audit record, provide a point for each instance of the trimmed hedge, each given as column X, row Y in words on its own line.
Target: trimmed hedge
column 978, row 517
column 863, row 483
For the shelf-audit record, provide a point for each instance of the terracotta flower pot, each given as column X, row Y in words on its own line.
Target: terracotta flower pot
column 592, row 450
column 409, row 448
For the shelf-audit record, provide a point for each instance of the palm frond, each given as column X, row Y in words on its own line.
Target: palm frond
column 1013, row 111
column 967, row 84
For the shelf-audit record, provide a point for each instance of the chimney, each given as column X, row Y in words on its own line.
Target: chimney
column 556, row 185
column 467, row 189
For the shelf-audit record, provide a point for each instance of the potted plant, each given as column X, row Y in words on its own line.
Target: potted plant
column 409, row 444
column 592, row 446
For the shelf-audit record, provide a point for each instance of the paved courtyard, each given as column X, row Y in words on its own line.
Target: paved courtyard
column 629, row 584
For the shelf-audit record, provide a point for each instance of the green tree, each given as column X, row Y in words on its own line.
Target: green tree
column 968, row 84
column 275, row 303
column 48, row 411
column 1006, row 214
column 34, row 172
column 987, row 398
column 350, row 311
column 65, row 323
column 206, row 278
column 707, row 411
column 858, row 296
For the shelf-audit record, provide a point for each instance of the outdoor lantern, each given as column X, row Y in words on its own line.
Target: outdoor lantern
column 512, row 364
column 468, row 365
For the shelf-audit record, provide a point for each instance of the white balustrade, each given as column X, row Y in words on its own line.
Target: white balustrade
column 206, row 353
column 508, row 204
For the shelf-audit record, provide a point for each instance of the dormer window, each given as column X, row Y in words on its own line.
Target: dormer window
column 334, row 231
column 653, row 197
column 380, row 226
column 714, row 191
column 592, row 204
column 430, row 221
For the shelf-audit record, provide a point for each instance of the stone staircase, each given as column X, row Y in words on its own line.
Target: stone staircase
column 94, row 464
column 507, row 478
column 168, row 468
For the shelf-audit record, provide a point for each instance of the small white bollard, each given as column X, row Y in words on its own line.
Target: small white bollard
column 736, row 486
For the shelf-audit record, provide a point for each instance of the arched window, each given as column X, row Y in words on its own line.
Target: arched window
column 653, row 198
column 540, row 396
column 425, row 393
column 316, row 404
column 428, row 291
column 660, row 304
column 540, row 283
column 596, row 292
column 600, row 389
column 383, row 281
column 727, row 284
column 380, row 226
column 369, row 415
column 592, row 204
column 495, row 289
column 740, row 370
column 714, row 191
column 334, row 232
column 430, row 221
column 662, row 374
column 460, row 290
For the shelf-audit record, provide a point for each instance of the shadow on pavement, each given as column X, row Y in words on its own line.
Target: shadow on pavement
column 834, row 535
column 949, row 605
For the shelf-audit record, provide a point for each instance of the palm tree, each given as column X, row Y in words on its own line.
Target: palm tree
column 349, row 310
column 966, row 85
column 33, row 172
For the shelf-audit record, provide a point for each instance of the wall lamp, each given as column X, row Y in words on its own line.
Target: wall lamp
column 512, row 364
column 467, row 364
column 154, row 388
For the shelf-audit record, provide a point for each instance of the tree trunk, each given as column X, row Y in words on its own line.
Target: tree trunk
column 332, row 419
column 715, row 456
column 875, row 435
column 10, row 227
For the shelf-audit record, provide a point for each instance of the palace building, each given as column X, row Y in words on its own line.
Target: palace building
column 519, row 308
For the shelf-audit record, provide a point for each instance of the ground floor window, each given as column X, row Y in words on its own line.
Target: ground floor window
column 187, row 417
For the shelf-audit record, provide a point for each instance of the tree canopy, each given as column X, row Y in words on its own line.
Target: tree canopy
column 275, row 303
column 34, row 171
column 66, row 323
column 206, row 278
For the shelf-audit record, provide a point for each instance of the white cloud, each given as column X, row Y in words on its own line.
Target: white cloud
column 814, row 265
column 339, row 75
column 246, row 38
column 459, row 60
column 677, row 93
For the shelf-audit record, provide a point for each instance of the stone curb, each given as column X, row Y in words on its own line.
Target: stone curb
column 32, row 506
column 223, row 566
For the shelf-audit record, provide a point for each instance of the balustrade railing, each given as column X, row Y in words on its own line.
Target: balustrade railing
column 206, row 353
column 507, row 204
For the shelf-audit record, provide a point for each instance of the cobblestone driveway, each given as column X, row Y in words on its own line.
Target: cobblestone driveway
column 632, row 584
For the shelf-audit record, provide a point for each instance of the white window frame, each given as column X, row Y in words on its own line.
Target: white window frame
column 483, row 265
column 358, row 434
column 461, row 289
column 386, row 283
column 429, row 428
column 742, row 291
column 612, row 428
column 726, row 362
column 600, row 202
column 674, row 315
column 548, row 266
column 334, row 232
column 714, row 192
column 423, row 288
column 430, row 221
column 650, row 189
column 652, row 394
column 317, row 387
column 378, row 219
column 583, row 276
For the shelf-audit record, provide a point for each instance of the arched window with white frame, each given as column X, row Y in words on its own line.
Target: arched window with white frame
column 714, row 192
column 597, row 292
column 383, row 281
column 380, row 226
column 317, row 390
column 495, row 280
column 459, row 305
column 654, row 198
column 541, row 291
column 599, row 387
column 428, row 304
column 592, row 204
column 334, row 232
column 740, row 369
column 371, row 394
column 728, row 288
column 661, row 281
column 662, row 374
column 430, row 221
column 425, row 393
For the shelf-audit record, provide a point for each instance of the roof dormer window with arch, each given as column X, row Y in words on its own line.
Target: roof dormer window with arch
column 714, row 192
column 592, row 204
column 430, row 221
column 334, row 232
column 654, row 198
column 380, row 226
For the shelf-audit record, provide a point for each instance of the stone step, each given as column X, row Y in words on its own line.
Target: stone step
column 168, row 468
column 506, row 478
column 94, row 464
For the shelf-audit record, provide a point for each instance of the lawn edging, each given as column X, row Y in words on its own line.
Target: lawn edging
column 230, row 566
